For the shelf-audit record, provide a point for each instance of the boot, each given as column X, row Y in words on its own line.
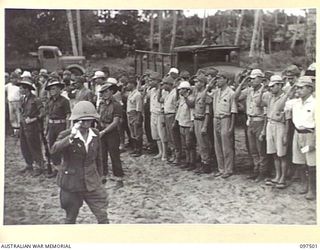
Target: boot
column 133, row 143
column 311, row 195
column 138, row 148
column 53, row 174
column 304, row 182
column 119, row 184
column 37, row 172
column 26, row 169
column 206, row 169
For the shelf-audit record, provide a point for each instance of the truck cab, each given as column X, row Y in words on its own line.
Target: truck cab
column 51, row 58
column 191, row 58
column 195, row 57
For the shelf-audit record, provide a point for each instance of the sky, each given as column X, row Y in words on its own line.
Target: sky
column 200, row 12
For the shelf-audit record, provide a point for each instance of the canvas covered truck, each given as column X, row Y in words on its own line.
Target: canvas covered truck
column 48, row 57
column 191, row 58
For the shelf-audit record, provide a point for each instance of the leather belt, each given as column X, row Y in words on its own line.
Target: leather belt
column 305, row 131
column 256, row 118
column 221, row 116
column 199, row 118
column 56, row 121
column 169, row 113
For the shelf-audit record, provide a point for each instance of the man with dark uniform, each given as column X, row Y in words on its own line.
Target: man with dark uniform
column 79, row 178
column 110, row 114
column 32, row 112
column 58, row 110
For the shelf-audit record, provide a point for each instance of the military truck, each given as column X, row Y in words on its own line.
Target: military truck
column 48, row 57
column 191, row 58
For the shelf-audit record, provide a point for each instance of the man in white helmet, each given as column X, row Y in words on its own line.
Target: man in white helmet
column 184, row 118
column 80, row 175
column 98, row 79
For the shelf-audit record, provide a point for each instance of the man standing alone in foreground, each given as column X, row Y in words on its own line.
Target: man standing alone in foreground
column 81, row 172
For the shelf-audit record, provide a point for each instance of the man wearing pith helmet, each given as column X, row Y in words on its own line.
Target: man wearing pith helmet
column 31, row 112
column 58, row 111
column 80, row 176
column 304, row 140
column 110, row 114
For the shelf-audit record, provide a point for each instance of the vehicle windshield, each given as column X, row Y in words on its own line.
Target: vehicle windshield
column 59, row 52
column 216, row 57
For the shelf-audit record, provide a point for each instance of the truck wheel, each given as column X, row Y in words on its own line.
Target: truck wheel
column 76, row 72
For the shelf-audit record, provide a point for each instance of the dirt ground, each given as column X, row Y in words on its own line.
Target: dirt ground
column 155, row 192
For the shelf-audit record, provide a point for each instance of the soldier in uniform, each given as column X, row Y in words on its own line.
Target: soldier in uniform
column 275, row 131
column 224, row 108
column 201, row 120
column 134, row 114
column 184, row 119
column 304, row 139
column 157, row 122
column 80, row 93
column 110, row 114
column 58, row 112
column 170, row 108
column 32, row 112
column 255, row 121
column 79, row 178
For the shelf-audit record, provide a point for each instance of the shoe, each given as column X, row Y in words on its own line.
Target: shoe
column 207, row 169
column 138, row 153
column 104, row 180
column 252, row 176
column 192, row 167
column 26, row 169
column 53, row 174
column 37, row 172
column 270, row 182
column 158, row 156
column 118, row 185
column 259, row 178
column 185, row 166
column 281, row 185
column 199, row 170
column 225, row 176
column 218, row 174
column 310, row 196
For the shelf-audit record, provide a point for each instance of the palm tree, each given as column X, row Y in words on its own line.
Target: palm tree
column 255, row 33
column 79, row 32
column 160, row 25
column 174, row 29
column 72, row 34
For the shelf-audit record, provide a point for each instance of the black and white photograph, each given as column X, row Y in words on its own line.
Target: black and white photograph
column 160, row 116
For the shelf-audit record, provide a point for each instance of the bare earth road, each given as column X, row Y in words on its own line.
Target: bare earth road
column 155, row 192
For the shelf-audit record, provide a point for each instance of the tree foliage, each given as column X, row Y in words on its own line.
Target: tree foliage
column 116, row 31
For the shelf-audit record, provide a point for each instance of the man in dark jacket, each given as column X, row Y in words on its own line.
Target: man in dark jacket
column 81, row 172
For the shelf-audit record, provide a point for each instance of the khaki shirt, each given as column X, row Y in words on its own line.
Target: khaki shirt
column 224, row 103
column 134, row 101
column 201, row 105
column 155, row 105
column 184, row 113
column 275, row 108
column 170, row 102
column 254, row 107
